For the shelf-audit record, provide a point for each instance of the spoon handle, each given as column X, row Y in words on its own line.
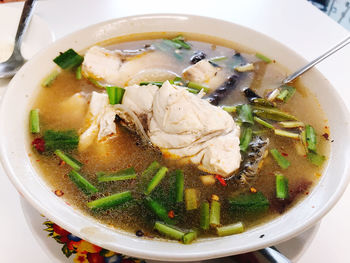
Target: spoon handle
column 24, row 22
column 317, row 60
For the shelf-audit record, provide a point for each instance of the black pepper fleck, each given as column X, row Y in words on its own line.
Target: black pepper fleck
column 139, row 233
column 261, row 236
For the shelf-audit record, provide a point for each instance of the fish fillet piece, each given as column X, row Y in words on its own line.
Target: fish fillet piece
column 204, row 73
column 99, row 121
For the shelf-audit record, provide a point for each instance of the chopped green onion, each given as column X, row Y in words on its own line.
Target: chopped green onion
column 204, row 216
column 214, row 215
column 218, row 59
column 245, row 139
column 179, row 185
column 156, row 83
column 34, row 122
column 251, row 203
column 282, row 162
column 310, row 138
column 126, row 174
column 96, row 83
column 63, row 140
column 156, row 180
column 286, row 93
column 263, row 102
column 315, row 158
column 159, row 210
column 197, row 86
column 263, row 58
column 287, row 134
column 191, row 198
column 151, row 169
column 49, row 79
column 260, row 132
column 281, row 186
column 194, row 91
column 263, row 123
column 110, row 201
column 272, row 114
column 82, row 183
column 78, row 72
column 245, row 114
column 172, row 43
column 189, row 237
column 230, row 109
column 115, row 94
column 291, row 124
column 181, row 41
column 303, row 140
column 179, row 81
column 68, row 59
column 169, row 231
column 75, row 164
column 230, row 229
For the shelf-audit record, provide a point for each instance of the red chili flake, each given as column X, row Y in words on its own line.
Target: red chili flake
column 39, row 144
column 307, row 193
column 221, row 180
column 61, row 163
column 59, row 193
column 171, row 214
column 305, row 155
column 67, row 203
column 284, row 154
column 37, row 160
column 326, row 136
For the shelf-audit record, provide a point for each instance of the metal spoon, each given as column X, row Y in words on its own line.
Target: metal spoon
column 13, row 64
column 302, row 70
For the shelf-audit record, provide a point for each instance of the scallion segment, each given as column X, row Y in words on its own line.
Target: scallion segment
column 288, row 134
column 156, row 83
column 126, row 174
column 158, row 210
column 263, row 58
column 110, row 201
column 311, row 140
column 189, row 237
column 272, row 114
column 291, row 124
column 180, row 40
column 156, row 180
column 214, row 214
column 286, row 93
column 68, row 59
column 204, row 216
column 316, row 158
column 245, row 139
column 63, row 140
column 78, row 73
column 263, row 123
column 245, row 114
column 34, row 121
column 82, row 183
column 196, row 86
column 151, row 169
column 282, row 162
column 251, row 203
column 75, row 164
column 191, row 198
column 179, row 186
column 169, row 231
column 230, row 229
column 49, row 79
column 230, row 109
column 281, row 186
column 115, row 94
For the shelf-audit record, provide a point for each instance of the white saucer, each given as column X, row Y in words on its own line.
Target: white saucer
column 37, row 37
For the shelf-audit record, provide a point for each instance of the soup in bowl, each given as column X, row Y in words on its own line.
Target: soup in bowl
column 151, row 131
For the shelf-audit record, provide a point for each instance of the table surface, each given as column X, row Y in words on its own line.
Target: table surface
column 295, row 23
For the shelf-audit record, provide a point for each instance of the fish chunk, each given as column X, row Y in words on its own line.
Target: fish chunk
column 102, row 64
column 205, row 73
column 184, row 126
column 99, row 121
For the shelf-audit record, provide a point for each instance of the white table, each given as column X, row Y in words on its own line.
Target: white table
column 295, row 23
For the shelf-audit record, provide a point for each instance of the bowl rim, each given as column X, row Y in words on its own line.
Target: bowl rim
column 164, row 255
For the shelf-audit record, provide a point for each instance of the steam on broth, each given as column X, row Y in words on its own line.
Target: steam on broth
column 177, row 136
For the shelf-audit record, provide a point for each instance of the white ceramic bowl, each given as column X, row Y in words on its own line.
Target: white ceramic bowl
column 15, row 145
